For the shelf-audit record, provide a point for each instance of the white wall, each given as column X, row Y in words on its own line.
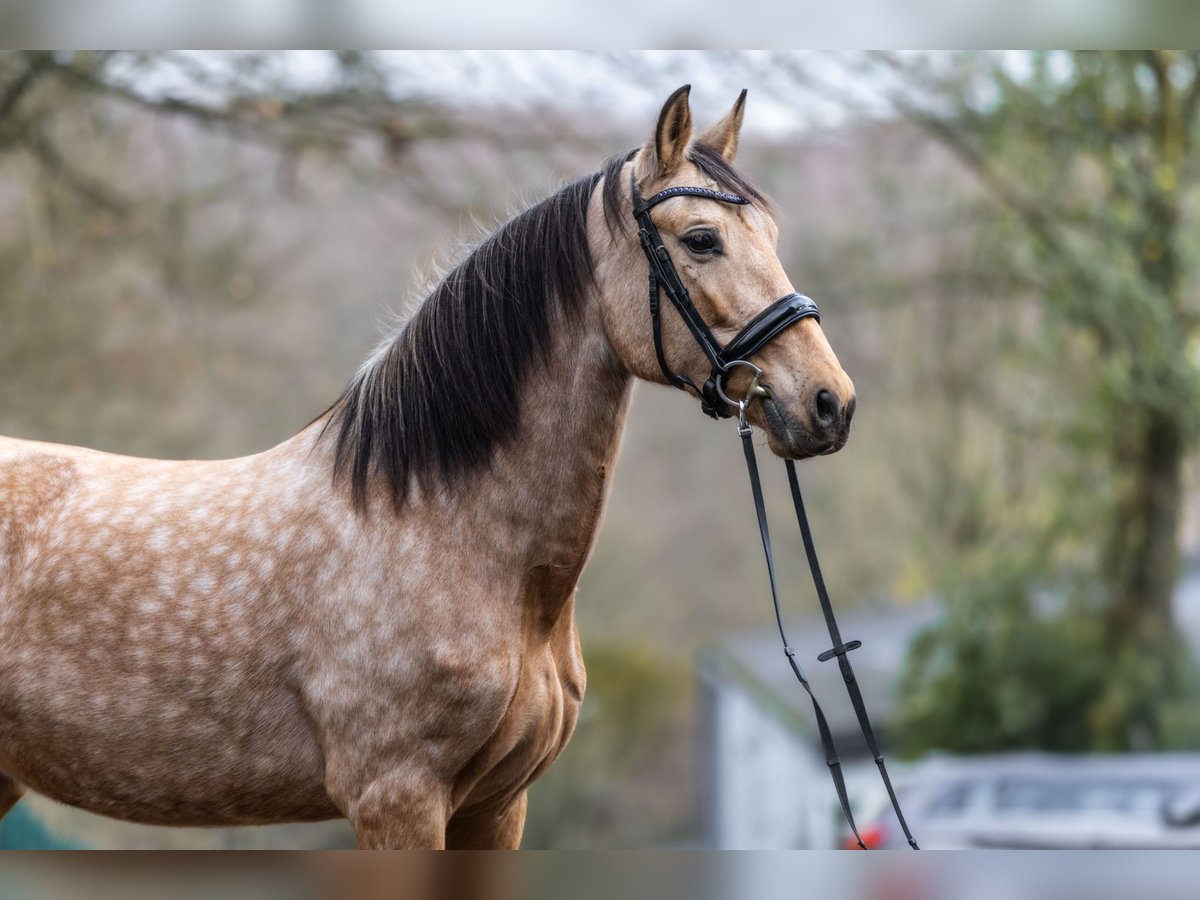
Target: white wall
column 770, row 789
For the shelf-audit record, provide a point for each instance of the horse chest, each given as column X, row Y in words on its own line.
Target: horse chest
column 539, row 718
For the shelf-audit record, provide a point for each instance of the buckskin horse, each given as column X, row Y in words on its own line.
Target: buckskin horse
column 375, row 619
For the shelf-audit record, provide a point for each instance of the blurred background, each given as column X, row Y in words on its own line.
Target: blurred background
column 198, row 249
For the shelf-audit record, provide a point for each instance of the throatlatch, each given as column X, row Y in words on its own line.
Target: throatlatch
column 763, row 328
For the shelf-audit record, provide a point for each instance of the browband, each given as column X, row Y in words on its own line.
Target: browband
column 686, row 191
column 768, row 324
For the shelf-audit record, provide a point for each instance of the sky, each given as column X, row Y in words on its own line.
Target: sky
column 622, row 85
column 625, row 84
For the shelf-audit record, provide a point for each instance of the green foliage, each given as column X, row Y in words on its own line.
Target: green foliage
column 1003, row 671
column 1091, row 158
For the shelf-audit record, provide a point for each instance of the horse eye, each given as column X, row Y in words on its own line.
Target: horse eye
column 701, row 242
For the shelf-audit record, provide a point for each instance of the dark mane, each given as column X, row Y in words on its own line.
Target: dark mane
column 437, row 400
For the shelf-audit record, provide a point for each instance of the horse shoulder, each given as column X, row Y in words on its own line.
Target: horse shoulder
column 543, row 705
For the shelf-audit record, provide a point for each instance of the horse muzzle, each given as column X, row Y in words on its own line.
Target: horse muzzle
column 822, row 429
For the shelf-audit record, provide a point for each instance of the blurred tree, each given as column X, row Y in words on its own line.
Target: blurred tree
column 295, row 101
column 140, row 199
column 1063, row 638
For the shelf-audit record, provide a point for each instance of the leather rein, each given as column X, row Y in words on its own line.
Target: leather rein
column 759, row 331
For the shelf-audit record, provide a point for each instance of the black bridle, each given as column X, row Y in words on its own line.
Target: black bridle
column 776, row 318
column 758, row 332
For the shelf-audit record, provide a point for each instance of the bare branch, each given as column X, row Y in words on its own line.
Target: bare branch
column 78, row 77
column 86, row 186
column 37, row 65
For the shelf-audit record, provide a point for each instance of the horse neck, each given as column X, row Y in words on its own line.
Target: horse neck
column 539, row 501
column 546, row 490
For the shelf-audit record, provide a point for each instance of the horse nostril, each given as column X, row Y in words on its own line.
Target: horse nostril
column 825, row 409
column 850, row 407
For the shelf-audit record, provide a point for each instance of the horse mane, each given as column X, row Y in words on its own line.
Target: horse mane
column 437, row 398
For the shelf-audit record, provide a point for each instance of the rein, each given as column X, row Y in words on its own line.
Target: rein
column 714, row 402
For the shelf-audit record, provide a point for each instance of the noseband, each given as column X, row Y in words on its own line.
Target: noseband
column 758, row 332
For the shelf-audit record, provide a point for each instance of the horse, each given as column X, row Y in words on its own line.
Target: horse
column 375, row 619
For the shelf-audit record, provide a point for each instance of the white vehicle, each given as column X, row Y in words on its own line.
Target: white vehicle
column 1031, row 800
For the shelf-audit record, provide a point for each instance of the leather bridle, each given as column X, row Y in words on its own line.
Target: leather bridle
column 767, row 325
column 757, row 333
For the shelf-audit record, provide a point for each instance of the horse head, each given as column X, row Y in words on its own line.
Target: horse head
column 721, row 240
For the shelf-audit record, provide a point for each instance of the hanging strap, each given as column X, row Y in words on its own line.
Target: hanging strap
column 840, row 650
column 831, row 755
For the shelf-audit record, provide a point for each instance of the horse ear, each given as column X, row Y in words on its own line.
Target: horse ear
column 673, row 133
column 723, row 136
